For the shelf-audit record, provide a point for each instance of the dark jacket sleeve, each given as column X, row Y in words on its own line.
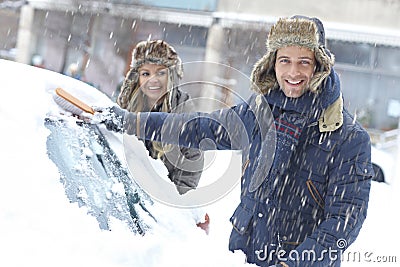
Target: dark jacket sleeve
column 225, row 129
column 346, row 204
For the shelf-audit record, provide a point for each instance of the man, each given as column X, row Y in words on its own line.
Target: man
column 308, row 203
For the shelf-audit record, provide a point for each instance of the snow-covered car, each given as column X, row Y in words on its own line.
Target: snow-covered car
column 68, row 198
column 100, row 216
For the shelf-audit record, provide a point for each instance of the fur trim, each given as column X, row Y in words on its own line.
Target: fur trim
column 154, row 52
column 297, row 31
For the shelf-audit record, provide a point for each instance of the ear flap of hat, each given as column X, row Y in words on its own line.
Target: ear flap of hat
column 129, row 86
column 263, row 74
column 325, row 61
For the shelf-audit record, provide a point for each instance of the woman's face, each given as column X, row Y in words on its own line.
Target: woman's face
column 153, row 80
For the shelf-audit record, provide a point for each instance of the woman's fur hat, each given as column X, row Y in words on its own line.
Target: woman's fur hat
column 154, row 52
column 295, row 31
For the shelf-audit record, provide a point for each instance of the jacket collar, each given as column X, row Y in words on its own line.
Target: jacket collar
column 332, row 117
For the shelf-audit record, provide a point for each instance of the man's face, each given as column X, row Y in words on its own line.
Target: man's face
column 294, row 68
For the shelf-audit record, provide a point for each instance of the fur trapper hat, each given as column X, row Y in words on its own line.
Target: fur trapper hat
column 295, row 31
column 154, row 52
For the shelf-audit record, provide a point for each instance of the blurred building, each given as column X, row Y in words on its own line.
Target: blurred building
column 9, row 19
column 99, row 36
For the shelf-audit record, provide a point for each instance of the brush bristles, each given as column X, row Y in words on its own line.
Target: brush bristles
column 67, row 106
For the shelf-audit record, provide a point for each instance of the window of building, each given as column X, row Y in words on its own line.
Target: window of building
column 358, row 54
column 388, row 59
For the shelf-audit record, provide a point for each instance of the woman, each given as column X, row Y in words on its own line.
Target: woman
column 151, row 85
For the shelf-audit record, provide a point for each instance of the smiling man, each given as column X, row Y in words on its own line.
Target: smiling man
column 294, row 68
column 309, row 205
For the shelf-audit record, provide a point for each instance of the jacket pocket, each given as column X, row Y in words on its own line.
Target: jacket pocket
column 241, row 219
column 315, row 194
column 364, row 169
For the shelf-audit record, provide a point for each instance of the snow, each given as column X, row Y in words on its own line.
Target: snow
column 40, row 227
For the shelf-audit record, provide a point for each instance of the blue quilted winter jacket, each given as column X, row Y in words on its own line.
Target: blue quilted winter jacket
column 304, row 214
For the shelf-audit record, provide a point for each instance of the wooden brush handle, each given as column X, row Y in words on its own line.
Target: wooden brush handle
column 73, row 100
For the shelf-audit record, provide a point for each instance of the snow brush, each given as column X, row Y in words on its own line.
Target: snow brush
column 70, row 103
